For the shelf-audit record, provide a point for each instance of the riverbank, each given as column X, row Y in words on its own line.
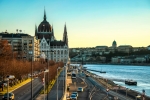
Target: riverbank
column 97, row 63
column 109, row 84
column 133, row 64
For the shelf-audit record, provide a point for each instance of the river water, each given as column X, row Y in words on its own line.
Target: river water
column 119, row 73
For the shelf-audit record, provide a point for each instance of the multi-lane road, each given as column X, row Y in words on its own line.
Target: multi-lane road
column 24, row 92
column 93, row 90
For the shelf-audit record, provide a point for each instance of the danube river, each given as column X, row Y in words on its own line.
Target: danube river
column 119, row 73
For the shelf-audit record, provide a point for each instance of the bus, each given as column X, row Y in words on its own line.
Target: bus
column 73, row 75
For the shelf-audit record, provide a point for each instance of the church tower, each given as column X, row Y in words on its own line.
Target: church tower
column 65, row 37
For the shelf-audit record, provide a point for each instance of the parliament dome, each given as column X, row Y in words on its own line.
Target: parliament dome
column 44, row 25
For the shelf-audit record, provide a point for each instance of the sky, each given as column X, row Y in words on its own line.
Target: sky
column 90, row 23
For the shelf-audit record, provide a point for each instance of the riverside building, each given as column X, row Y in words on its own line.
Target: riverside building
column 56, row 50
column 23, row 45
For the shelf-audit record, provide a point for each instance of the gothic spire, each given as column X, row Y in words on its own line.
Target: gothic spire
column 44, row 14
column 65, row 37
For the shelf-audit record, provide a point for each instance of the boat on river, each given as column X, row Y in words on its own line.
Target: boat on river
column 130, row 82
column 102, row 72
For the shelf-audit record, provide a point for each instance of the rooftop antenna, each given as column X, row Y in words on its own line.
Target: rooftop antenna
column 6, row 31
column 20, row 31
column 16, row 30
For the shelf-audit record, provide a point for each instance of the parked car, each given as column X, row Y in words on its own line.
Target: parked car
column 73, row 97
column 5, row 83
column 11, row 96
column 76, row 93
column 80, row 89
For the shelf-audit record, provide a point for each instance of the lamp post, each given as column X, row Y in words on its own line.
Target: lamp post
column 44, row 81
column 48, row 69
column 57, row 81
column 7, row 87
column 31, row 78
column 32, row 73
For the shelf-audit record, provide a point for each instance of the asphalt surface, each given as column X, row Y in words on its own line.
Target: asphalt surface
column 111, row 94
column 53, row 93
column 93, row 90
column 24, row 92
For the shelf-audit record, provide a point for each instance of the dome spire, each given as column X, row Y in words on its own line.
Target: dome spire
column 44, row 14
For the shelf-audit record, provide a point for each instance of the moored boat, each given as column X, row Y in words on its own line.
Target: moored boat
column 130, row 82
column 102, row 72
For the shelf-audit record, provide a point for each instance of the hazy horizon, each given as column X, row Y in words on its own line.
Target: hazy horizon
column 90, row 23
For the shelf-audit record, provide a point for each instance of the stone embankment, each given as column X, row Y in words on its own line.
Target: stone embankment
column 109, row 84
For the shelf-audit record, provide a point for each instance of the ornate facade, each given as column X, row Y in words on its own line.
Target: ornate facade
column 53, row 49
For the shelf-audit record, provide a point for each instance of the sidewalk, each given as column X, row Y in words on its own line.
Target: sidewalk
column 52, row 95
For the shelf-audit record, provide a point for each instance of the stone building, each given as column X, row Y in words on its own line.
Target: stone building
column 57, row 50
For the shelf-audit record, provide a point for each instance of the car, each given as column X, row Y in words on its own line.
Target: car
column 80, row 89
column 73, row 97
column 11, row 96
column 76, row 93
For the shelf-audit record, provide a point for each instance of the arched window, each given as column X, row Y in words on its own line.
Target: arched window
column 54, row 51
column 61, row 51
column 65, row 51
column 58, row 52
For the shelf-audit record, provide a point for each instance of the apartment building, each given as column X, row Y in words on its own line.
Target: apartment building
column 22, row 45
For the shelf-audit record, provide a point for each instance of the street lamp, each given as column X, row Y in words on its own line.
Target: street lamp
column 7, row 87
column 57, row 81
column 44, row 81
column 48, row 72
column 31, row 77
column 32, row 73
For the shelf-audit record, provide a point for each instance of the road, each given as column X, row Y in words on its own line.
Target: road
column 111, row 94
column 24, row 92
column 93, row 90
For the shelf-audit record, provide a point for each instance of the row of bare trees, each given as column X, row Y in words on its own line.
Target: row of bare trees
column 9, row 65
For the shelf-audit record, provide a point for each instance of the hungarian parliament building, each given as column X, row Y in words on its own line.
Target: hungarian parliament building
column 43, row 43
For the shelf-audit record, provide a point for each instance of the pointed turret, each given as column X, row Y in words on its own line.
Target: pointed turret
column 52, row 31
column 44, row 15
column 65, row 37
column 35, row 30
